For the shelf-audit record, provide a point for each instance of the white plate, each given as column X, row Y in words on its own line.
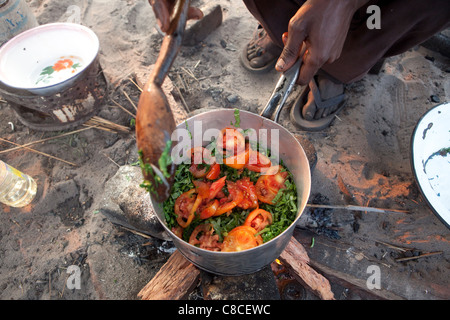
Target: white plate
column 431, row 159
column 48, row 58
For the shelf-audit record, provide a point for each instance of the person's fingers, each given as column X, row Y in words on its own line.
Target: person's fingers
column 310, row 65
column 195, row 13
column 284, row 37
column 161, row 13
column 294, row 40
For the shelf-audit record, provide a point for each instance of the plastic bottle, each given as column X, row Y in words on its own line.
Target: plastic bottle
column 16, row 188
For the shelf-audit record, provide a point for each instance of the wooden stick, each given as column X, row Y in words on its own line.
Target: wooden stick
column 44, row 140
column 296, row 260
column 41, row 153
column 427, row 254
column 117, row 104
column 129, row 99
column 137, row 86
column 182, row 98
column 174, row 280
column 100, row 122
column 356, row 208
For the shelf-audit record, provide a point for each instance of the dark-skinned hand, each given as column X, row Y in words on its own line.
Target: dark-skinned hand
column 322, row 26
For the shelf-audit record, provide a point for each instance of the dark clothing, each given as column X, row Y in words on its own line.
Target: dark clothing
column 404, row 24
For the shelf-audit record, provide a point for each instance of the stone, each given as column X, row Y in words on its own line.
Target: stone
column 126, row 204
column 197, row 31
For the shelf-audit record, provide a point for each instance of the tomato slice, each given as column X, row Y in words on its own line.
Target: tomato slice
column 268, row 185
column 257, row 162
column 241, row 238
column 185, row 206
column 214, row 172
column 232, row 140
column 239, row 160
column 216, row 187
column 201, row 162
column 202, row 188
column 203, row 237
column 210, row 209
column 234, row 198
column 249, row 191
column 258, row 219
column 178, row 231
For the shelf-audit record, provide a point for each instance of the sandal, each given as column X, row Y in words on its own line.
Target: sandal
column 260, row 54
column 326, row 109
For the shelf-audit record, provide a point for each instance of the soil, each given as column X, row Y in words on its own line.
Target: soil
column 363, row 159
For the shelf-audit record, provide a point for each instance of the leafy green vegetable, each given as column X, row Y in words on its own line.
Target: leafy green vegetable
column 237, row 119
column 283, row 212
column 165, row 160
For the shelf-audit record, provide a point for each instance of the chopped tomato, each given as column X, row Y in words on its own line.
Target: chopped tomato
column 234, row 198
column 214, row 172
column 209, row 210
column 268, row 185
column 185, row 206
column 204, row 237
column 248, row 189
column 258, row 219
column 178, row 231
column 241, row 238
column 202, row 188
column 201, row 162
column 239, row 160
column 257, row 162
column 216, row 187
column 232, row 140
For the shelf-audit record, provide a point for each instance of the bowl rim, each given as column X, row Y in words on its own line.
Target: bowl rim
column 73, row 26
column 417, row 166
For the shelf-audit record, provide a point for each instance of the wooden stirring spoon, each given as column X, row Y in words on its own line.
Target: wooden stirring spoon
column 154, row 119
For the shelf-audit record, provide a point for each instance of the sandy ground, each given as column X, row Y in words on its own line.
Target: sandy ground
column 363, row 159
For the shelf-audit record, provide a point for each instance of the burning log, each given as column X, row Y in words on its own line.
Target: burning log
column 174, row 281
column 178, row 277
column 297, row 260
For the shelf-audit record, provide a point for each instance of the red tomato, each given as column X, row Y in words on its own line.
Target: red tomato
column 258, row 219
column 241, row 238
column 257, row 162
column 234, row 198
column 232, row 140
column 214, row 172
column 202, row 162
column 248, row 189
column 185, row 207
column 202, row 188
column 203, row 237
column 216, row 187
column 239, row 160
column 268, row 185
column 178, row 231
column 210, row 209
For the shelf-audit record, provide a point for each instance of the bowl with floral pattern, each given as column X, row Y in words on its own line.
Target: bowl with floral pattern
column 49, row 58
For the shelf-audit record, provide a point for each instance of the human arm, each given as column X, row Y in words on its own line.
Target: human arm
column 322, row 25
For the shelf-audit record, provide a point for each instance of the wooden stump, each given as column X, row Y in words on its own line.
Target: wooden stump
column 174, row 281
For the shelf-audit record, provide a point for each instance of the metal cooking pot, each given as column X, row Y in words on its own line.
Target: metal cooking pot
column 294, row 158
column 155, row 126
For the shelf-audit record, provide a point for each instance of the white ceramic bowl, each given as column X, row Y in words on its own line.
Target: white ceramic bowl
column 431, row 159
column 47, row 59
